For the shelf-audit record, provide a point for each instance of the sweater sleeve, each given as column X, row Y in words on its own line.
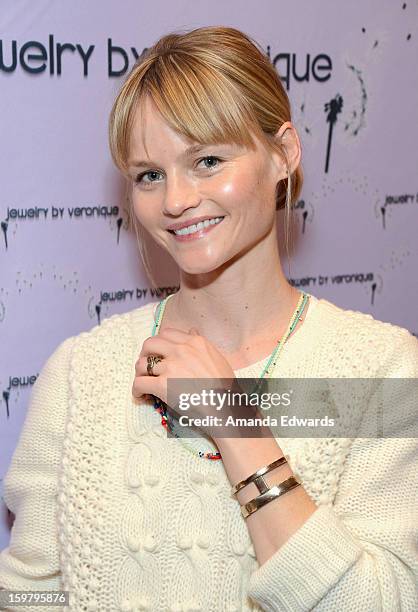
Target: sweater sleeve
column 31, row 561
column 361, row 553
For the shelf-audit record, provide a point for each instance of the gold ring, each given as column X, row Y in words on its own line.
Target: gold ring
column 151, row 361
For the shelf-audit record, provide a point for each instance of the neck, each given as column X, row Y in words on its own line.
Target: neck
column 248, row 302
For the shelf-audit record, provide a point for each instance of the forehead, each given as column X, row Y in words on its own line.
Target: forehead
column 149, row 128
column 151, row 134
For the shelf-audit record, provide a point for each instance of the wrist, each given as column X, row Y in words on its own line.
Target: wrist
column 243, row 456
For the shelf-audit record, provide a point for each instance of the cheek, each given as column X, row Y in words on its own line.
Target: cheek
column 144, row 207
column 264, row 190
column 247, row 190
column 234, row 189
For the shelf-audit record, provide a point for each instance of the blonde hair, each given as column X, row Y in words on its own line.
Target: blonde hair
column 213, row 85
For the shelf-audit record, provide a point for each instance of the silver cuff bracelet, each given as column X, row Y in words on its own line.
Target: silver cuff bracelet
column 269, row 495
column 257, row 477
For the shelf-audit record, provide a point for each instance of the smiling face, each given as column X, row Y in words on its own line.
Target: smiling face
column 177, row 185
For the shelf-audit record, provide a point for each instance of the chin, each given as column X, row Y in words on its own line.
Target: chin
column 198, row 267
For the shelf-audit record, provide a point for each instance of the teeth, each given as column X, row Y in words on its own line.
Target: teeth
column 191, row 229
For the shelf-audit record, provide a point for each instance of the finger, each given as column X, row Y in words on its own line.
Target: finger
column 156, row 345
column 162, row 343
column 145, row 385
column 142, row 370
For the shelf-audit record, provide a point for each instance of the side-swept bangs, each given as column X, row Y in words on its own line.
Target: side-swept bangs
column 196, row 98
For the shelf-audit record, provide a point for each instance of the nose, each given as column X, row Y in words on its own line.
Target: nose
column 181, row 193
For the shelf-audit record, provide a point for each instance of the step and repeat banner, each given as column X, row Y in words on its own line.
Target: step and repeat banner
column 68, row 257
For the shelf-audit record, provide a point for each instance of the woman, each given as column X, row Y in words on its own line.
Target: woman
column 124, row 517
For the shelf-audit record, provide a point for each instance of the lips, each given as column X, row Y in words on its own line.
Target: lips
column 197, row 227
column 185, row 235
column 181, row 225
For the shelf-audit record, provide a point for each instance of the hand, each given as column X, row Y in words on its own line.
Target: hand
column 185, row 355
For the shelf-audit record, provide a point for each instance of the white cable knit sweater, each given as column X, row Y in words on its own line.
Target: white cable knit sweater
column 127, row 519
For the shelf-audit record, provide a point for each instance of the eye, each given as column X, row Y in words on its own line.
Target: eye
column 150, row 173
column 210, row 157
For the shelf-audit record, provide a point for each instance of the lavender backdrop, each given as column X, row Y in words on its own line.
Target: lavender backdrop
column 67, row 259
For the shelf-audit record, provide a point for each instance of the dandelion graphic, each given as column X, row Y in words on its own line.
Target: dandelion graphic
column 333, row 108
column 4, row 226
column 6, row 395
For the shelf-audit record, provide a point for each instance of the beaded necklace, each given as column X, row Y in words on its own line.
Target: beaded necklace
column 160, row 406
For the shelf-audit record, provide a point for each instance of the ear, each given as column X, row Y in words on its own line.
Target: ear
column 288, row 137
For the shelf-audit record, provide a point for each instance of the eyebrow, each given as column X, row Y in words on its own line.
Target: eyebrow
column 187, row 153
